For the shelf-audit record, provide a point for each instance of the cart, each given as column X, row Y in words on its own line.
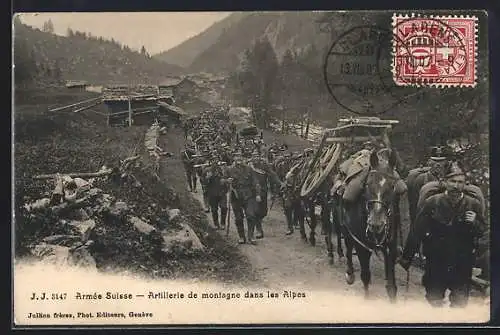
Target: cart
column 249, row 136
column 336, row 140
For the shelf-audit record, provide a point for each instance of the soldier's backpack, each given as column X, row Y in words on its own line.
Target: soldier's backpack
column 355, row 170
column 436, row 187
column 414, row 173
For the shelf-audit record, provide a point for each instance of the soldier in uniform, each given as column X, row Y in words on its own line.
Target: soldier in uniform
column 421, row 176
column 266, row 175
column 189, row 161
column 225, row 154
column 450, row 225
column 216, row 191
column 245, row 190
column 434, row 173
column 292, row 203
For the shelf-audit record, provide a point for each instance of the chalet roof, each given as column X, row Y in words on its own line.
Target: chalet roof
column 170, row 82
column 76, row 83
column 122, row 92
column 163, row 91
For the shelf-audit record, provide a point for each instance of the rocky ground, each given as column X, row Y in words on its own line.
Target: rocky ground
column 126, row 219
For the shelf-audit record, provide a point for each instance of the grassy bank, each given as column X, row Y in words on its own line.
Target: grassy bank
column 51, row 142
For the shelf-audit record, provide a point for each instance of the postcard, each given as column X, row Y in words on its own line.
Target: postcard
column 250, row 168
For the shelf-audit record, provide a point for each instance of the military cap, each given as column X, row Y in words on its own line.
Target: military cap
column 454, row 169
column 438, row 154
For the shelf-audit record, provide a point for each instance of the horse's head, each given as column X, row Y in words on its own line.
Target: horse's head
column 380, row 189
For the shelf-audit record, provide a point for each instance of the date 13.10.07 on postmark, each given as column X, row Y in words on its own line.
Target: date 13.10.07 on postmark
column 436, row 51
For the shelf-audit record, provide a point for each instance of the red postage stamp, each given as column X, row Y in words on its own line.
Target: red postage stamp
column 434, row 51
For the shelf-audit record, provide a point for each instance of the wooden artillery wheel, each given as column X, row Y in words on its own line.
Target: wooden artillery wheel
column 349, row 131
column 320, row 168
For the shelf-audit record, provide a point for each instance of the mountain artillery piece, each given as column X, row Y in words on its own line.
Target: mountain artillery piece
column 335, row 141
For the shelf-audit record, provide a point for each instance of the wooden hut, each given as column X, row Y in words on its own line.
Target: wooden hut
column 131, row 105
column 167, row 87
column 77, row 86
column 176, row 87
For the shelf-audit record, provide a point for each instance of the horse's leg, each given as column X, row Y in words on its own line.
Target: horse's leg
column 312, row 216
column 336, row 225
column 326, row 224
column 296, row 204
column 195, row 181
column 288, row 210
column 349, row 274
column 189, row 180
column 314, row 222
column 328, row 240
column 389, row 264
column 300, row 217
column 364, row 263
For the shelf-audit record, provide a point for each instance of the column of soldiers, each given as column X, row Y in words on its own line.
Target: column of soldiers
column 234, row 173
column 240, row 177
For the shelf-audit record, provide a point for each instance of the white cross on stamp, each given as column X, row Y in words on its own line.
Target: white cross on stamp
column 434, row 51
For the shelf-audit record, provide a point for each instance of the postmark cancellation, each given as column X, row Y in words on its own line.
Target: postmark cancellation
column 436, row 51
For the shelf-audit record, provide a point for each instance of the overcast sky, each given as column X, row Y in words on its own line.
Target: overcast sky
column 156, row 31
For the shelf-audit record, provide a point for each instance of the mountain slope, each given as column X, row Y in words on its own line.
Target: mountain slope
column 184, row 53
column 285, row 30
column 80, row 57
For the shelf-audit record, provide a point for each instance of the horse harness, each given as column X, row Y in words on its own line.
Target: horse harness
column 387, row 206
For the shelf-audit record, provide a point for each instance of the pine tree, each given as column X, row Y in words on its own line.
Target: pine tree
column 48, row 26
column 25, row 68
column 17, row 21
column 264, row 65
column 285, row 87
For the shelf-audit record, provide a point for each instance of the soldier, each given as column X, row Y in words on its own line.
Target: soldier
column 245, row 192
column 292, row 203
column 436, row 165
column 450, row 224
column 225, row 154
column 265, row 174
column 421, row 176
column 271, row 154
column 189, row 161
column 216, row 191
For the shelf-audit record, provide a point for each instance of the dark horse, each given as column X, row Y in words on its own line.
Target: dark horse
column 300, row 210
column 371, row 222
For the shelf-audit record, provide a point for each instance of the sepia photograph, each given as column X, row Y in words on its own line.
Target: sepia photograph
column 250, row 168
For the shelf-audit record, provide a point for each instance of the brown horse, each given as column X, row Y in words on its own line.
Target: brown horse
column 371, row 223
column 301, row 210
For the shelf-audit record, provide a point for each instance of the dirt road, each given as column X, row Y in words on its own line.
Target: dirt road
column 286, row 260
column 279, row 259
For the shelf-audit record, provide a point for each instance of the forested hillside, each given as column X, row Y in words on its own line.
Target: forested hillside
column 286, row 88
column 184, row 54
column 43, row 57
